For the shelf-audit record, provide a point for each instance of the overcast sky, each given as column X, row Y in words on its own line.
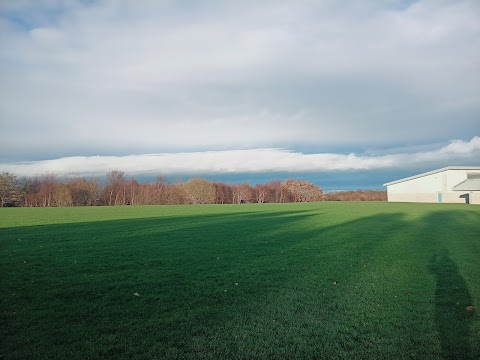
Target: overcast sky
column 238, row 86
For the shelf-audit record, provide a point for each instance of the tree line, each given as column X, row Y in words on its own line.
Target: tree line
column 49, row 190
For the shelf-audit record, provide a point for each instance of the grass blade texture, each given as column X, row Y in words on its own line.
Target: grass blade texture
column 267, row 281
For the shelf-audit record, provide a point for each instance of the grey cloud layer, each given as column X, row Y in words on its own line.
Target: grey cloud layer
column 230, row 75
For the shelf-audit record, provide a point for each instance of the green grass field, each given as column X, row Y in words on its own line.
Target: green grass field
column 281, row 281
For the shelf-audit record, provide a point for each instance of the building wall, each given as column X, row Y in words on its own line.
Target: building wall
column 454, row 177
column 412, row 197
column 427, row 188
column 475, row 197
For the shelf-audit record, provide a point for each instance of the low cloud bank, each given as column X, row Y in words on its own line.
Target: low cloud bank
column 457, row 152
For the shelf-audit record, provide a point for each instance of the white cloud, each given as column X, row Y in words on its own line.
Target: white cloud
column 461, row 147
column 250, row 161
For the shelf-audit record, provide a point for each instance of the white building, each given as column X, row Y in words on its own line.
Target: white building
column 452, row 184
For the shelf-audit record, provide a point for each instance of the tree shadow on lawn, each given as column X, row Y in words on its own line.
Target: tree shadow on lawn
column 210, row 286
column 72, row 283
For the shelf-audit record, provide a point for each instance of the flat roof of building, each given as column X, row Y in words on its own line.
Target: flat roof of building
column 433, row 172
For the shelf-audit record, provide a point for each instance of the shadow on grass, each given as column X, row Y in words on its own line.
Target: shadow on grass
column 242, row 285
column 452, row 296
column 209, row 285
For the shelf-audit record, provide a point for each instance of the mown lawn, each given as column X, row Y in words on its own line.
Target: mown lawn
column 281, row 281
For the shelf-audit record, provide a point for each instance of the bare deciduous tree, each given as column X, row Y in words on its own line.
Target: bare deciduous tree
column 61, row 195
column 303, row 191
column 115, row 190
column 200, row 191
column 357, row 195
column 84, row 192
column 261, row 192
column 48, row 190
column 224, row 194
